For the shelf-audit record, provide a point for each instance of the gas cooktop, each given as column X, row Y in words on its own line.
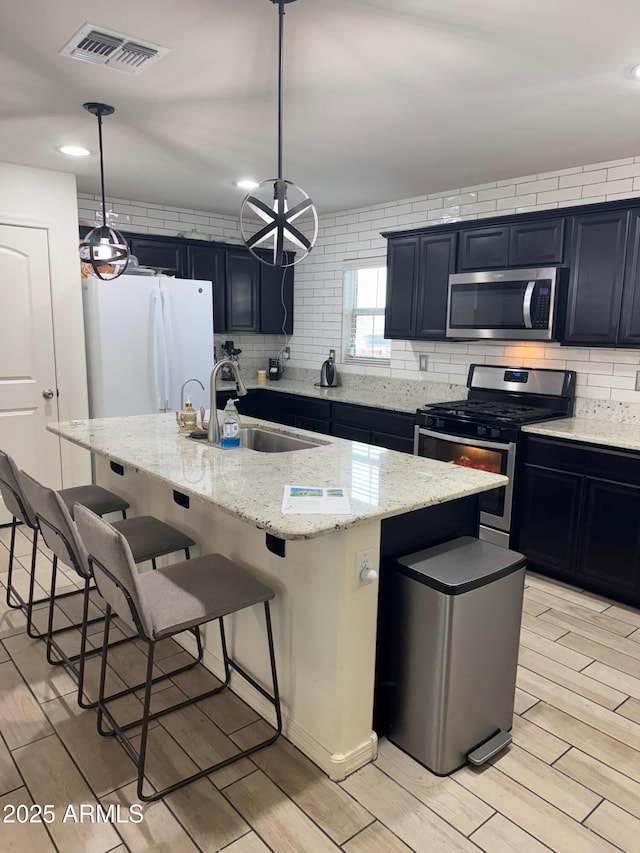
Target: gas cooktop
column 487, row 410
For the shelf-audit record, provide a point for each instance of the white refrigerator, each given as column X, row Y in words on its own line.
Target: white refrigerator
column 145, row 336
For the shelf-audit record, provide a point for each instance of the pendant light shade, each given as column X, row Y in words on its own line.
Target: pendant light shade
column 278, row 215
column 104, row 252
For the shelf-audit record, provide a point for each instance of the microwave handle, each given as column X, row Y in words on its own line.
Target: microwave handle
column 528, row 296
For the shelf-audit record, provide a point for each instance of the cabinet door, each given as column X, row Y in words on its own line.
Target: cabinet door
column 536, row 244
column 208, row 263
column 596, row 262
column 276, row 300
column 243, row 283
column 159, row 254
column 610, row 542
column 548, row 512
column 437, row 259
column 402, row 277
column 630, row 318
column 484, row 248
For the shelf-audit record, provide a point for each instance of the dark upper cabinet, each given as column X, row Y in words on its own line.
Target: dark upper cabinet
column 521, row 244
column 597, row 259
column 276, row 300
column 208, row 263
column 536, row 244
column 159, row 254
column 437, row 257
column 243, row 287
column 629, row 330
column 418, row 271
column 402, row 278
column 484, row 248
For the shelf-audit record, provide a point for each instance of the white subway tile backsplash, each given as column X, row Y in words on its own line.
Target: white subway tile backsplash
column 579, row 179
column 625, row 161
column 497, row 192
column 537, row 186
column 560, row 195
column 630, row 170
column 609, row 187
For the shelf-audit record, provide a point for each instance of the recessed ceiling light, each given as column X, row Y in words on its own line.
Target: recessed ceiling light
column 74, row 150
column 635, row 72
column 247, row 184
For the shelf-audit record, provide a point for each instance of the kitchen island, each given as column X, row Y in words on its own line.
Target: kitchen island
column 324, row 616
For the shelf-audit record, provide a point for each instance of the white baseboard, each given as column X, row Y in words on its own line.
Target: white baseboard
column 337, row 766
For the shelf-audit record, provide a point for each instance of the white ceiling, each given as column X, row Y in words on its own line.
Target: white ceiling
column 384, row 99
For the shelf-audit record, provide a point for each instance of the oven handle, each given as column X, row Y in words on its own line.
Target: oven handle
column 528, row 296
column 458, row 439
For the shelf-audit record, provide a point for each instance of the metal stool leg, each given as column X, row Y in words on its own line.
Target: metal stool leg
column 18, row 606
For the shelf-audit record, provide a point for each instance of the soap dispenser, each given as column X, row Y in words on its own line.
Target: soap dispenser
column 188, row 418
column 230, row 425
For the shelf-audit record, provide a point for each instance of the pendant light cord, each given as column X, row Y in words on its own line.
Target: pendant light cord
column 104, row 204
column 280, row 38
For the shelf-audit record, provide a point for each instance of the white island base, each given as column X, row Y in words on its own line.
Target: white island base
column 324, row 622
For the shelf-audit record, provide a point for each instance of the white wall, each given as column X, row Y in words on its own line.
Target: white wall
column 47, row 199
column 603, row 374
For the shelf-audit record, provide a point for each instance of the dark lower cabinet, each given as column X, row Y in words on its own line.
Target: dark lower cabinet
column 381, row 427
column 577, row 515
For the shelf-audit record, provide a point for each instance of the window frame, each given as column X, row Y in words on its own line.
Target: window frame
column 349, row 312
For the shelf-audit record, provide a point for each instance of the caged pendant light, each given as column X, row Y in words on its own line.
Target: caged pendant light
column 104, row 252
column 278, row 214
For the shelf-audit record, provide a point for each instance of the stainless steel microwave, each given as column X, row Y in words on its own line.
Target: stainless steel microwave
column 520, row 305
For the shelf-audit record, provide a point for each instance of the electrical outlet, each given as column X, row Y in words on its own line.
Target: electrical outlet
column 637, row 380
column 424, row 362
column 332, row 354
column 287, row 352
column 364, row 566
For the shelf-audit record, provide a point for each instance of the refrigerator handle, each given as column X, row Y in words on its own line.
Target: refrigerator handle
column 167, row 325
column 157, row 354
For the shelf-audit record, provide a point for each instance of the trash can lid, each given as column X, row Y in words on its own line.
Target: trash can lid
column 460, row 565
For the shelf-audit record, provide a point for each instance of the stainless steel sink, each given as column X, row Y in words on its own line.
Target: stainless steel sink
column 265, row 441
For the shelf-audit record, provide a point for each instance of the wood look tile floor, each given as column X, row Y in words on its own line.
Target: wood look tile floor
column 570, row 782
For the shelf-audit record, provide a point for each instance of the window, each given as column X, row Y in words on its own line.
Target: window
column 365, row 288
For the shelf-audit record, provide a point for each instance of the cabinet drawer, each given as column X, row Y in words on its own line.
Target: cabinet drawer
column 584, row 459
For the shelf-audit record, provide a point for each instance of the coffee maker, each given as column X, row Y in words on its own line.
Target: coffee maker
column 227, row 350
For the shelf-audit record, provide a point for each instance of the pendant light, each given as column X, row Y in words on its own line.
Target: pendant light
column 104, row 252
column 278, row 214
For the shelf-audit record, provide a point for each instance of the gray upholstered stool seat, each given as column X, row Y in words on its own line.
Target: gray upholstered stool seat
column 163, row 603
column 194, row 591
column 99, row 500
column 148, row 537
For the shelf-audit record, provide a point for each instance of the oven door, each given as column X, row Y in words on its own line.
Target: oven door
column 494, row 456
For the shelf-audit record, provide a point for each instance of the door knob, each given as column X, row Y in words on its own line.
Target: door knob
column 48, row 394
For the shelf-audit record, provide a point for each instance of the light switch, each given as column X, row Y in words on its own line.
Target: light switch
column 424, row 362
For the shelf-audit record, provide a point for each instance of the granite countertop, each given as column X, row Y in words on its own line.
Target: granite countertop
column 591, row 431
column 249, row 485
column 380, row 397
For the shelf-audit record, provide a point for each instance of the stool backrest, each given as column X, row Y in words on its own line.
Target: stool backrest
column 114, row 570
column 56, row 525
column 12, row 493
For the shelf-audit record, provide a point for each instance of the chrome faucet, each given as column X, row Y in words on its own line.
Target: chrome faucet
column 213, row 433
column 186, row 382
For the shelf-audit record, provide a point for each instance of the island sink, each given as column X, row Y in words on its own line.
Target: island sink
column 266, row 441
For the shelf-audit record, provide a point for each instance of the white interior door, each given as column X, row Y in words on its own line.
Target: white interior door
column 28, row 392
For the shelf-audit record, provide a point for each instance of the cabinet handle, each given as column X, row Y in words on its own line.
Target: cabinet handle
column 48, row 394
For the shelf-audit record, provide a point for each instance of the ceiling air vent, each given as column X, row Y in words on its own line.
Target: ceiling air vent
column 115, row 50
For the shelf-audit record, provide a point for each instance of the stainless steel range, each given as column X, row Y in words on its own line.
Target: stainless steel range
column 482, row 431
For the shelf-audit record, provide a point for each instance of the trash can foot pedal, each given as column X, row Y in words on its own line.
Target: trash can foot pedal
column 489, row 748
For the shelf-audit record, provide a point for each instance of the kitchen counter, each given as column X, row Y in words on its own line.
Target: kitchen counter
column 625, row 436
column 324, row 611
column 249, row 485
column 379, row 397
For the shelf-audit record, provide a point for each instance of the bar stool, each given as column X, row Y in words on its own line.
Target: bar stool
column 161, row 604
column 100, row 500
column 148, row 538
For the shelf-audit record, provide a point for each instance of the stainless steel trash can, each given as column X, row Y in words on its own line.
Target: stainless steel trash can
column 458, row 607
